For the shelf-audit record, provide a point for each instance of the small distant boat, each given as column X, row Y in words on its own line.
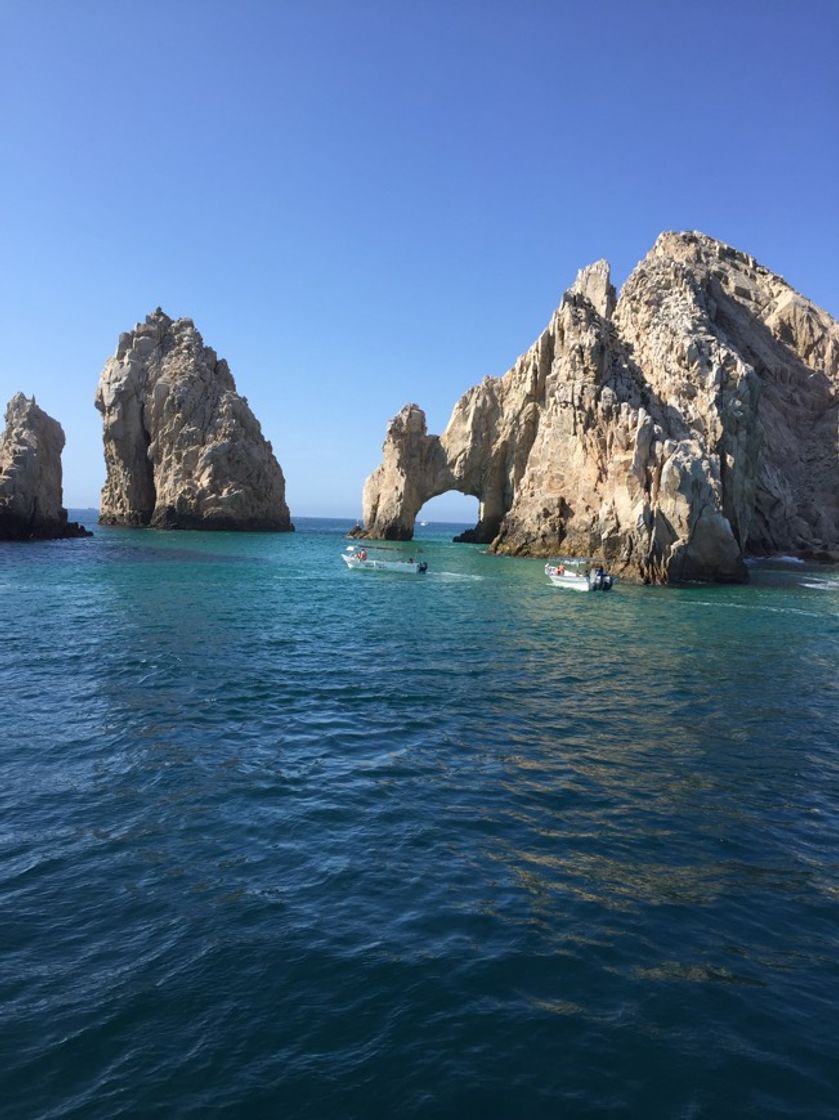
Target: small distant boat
column 359, row 558
column 578, row 575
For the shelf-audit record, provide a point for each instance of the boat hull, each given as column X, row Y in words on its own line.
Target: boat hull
column 577, row 581
column 569, row 582
column 369, row 565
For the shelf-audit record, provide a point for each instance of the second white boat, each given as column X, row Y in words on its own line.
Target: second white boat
column 577, row 576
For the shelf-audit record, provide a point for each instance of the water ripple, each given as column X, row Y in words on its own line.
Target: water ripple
column 276, row 839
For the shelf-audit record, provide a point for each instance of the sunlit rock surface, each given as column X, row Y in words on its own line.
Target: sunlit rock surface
column 182, row 449
column 30, row 475
column 668, row 433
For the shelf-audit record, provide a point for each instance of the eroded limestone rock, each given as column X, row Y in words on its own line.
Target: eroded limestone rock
column 182, row 449
column 30, row 475
column 667, row 434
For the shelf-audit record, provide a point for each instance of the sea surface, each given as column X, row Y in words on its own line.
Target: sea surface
column 280, row 839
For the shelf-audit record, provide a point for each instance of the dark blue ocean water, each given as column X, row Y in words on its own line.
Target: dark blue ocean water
column 278, row 839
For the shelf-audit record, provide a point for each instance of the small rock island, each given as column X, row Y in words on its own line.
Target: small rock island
column 182, row 449
column 667, row 434
column 30, row 476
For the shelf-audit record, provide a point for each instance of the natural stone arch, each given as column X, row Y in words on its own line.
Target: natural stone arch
column 417, row 467
column 663, row 434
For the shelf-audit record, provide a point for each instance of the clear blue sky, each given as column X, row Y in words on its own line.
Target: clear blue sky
column 367, row 203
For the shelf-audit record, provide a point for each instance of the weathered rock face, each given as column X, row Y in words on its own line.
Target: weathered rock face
column 182, row 449
column 668, row 433
column 30, row 476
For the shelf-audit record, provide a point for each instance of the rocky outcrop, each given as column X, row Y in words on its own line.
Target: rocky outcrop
column 182, row 449
column 30, row 476
column 668, row 433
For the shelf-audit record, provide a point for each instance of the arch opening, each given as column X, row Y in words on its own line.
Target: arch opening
column 451, row 510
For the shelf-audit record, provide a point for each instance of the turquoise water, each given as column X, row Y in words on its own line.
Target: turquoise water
column 278, row 839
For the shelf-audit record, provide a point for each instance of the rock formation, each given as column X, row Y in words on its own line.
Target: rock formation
column 182, row 449
column 668, row 433
column 30, row 476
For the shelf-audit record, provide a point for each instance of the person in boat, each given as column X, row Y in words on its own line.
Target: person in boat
column 560, row 569
column 362, row 554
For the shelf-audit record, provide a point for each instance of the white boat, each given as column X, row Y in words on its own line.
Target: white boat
column 359, row 558
column 578, row 575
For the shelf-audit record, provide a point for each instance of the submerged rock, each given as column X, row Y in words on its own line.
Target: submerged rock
column 182, row 449
column 667, row 433
column 30, row 476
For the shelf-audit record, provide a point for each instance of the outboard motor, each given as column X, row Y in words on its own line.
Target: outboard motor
column 601, row 581
column 422, row 567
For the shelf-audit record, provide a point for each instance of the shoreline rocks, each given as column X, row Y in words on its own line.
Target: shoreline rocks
column 667, row 434
column 183, row 450
column 30, row 476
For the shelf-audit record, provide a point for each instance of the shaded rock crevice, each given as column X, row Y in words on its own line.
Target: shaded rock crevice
column 667, row 433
